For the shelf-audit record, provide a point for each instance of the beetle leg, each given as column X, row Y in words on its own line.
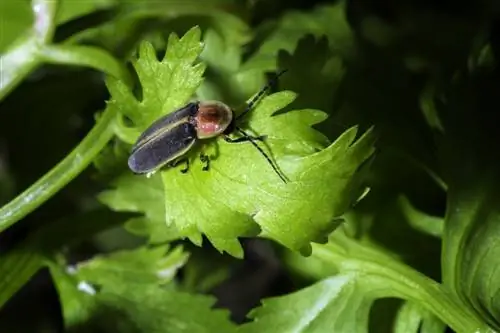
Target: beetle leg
column 186, row 168
column 183, row 160
column 245, row 138
column 205, row 159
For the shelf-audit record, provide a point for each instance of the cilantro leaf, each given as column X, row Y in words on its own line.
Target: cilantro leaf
column 412, row 318
column 470, row 236
column 140, row 266
column 419, row 220
column 126, row 292
column 335, row 304
column 166, row 85
column 241, row 194
column 362, row 273
column 326, row 20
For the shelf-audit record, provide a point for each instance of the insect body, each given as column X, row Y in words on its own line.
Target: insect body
column 169, row 138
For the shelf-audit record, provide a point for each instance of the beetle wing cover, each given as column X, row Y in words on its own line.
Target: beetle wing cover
column 165, row 124
column 162, row 148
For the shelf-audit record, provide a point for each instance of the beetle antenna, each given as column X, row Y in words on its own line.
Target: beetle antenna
column 261, row 93
column 252, row 141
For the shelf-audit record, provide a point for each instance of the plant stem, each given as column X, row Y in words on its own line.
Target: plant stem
column 402, row 282
column 23, row 57
column 62, row 173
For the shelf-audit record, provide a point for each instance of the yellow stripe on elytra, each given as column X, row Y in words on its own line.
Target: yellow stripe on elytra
column 160, row 133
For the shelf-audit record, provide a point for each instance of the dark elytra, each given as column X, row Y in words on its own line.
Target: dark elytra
column 168, row 139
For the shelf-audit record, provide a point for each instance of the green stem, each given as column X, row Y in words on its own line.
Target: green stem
column 402, row 281
column 89, row 56
column 61, row 174
column 23, row 56
column 44, row 12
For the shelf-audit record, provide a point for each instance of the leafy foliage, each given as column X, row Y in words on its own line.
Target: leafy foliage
column 221, row 195
column 384, row 125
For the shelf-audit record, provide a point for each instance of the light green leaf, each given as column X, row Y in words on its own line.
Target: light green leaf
column 142, row 195
column 16, row 18
column 419, row 220
column 337, row 304
column 323, row 183
column 378, row 274
column 412, row 318
column 408, row 319
column 166, row 84
column 72, row 9
column 125, row 306
column 139, row 266
column 19, row 264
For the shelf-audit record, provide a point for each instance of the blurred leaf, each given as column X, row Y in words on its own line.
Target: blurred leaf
column 206, row 269
column 19, row 264
column 324, row 73
column 121, row 304
column 16, row 18
column 72, row 9
column 337, row 304
column 134, row 21
column 17, row 267
column 144, row 195
column 87, row 56
column 224, row 79
column 408, row 319
column 412, row 318
column 429, row 110
column 128, row 267
column 419, row 220
column 375, row 273
column 315, row 197
column 471, row 229
column 112, row 160
column 326, row 20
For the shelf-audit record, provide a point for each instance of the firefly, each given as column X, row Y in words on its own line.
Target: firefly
column 167, row 140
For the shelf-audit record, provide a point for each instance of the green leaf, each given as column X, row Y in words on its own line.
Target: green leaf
column 427, row 104
column 16, row 18
column 142, row 195
column 225, row 80
column 326, row 20
column 127, row 267
column 378, row 274
column 72, row 9
column 324, row 73
column 206, row 269
column 470, row 254
column 17, row 267
column 323, row 182
column 419, row 220
column 166, row 85
column 19, row 264
column 337, row 304
column 412, row 318
column 126, row 305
